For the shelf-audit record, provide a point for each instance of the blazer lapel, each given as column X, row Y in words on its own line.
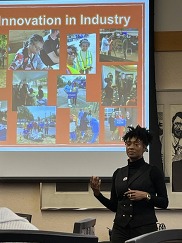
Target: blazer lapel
column 122, row 178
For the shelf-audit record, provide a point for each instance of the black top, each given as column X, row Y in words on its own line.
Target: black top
column 108, row 92
column 141, row 176
column 50, row 45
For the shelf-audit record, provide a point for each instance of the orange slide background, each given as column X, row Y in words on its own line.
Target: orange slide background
column 93, row 81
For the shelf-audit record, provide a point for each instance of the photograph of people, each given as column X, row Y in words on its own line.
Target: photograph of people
column 71, row 61
column 112, row 127
column 84, row 57
column 24, row 50
column 36, row 125
column 120, row 122
column 160, row 116
column 119, row 45
column 3, row 120
column 3, row 51
column 71, row 91
column 108, row 90
column 119, row 85
column 137, row 189
column 127, row 86
column 84, row 124
column 50, row 52
column 29, row 89
column 176, row 146
column 85, row 48
column 105, row 45
column 3, row 60
column 116, row 122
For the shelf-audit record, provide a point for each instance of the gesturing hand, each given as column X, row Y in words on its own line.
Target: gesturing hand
column 95, row 183
column 135, row 195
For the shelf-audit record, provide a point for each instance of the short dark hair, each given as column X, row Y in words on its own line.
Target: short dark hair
column 53, row 31
column 84, row 41
column 34, row 39
column 178, row 114
column 139, row 132
column 73, row 48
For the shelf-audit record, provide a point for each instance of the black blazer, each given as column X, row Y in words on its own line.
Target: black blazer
column 136, row 213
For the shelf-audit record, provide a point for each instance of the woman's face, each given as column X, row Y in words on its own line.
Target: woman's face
column 71, row 56
column 36, row 47
column 135, row 148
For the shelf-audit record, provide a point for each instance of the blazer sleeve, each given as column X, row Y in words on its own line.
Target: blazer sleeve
column 160, row 199
column 111, row 203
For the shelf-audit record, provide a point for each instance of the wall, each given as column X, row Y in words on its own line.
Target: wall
column 25, row 197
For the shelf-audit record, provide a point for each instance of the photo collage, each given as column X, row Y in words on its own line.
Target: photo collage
column 75, row 87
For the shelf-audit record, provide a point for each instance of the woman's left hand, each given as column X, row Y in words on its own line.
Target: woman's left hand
column 136, row 195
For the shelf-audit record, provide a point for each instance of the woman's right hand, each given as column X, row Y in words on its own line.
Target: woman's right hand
column 95, row 183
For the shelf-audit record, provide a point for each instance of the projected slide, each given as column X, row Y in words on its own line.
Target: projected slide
column 72, row 76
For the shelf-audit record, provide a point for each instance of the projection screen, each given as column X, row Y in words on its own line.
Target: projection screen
column 74, row 76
